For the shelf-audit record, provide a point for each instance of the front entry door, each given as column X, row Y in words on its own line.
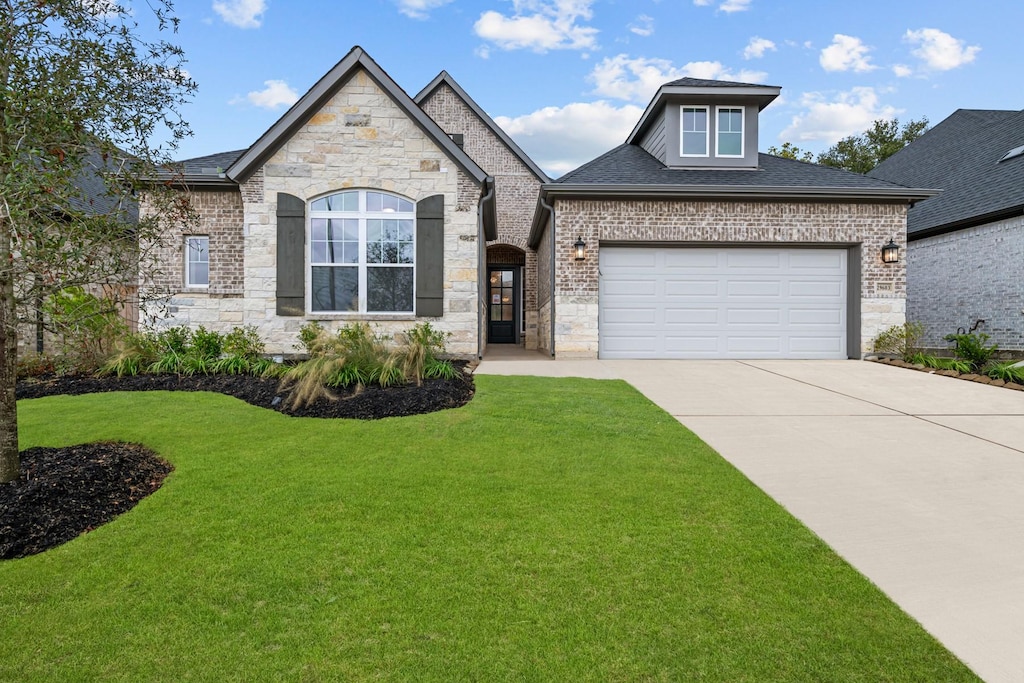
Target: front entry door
column 503, row 305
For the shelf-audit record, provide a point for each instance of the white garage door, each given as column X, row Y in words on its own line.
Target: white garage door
column 722, row 302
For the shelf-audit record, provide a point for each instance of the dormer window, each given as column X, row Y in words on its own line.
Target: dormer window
column 694, row 132
column 730, row 132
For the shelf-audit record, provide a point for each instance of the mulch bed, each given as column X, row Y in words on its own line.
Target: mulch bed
column 64, row 492
column 970, row 377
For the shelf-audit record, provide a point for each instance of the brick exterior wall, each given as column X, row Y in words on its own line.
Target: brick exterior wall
column 960, row 277
column 515, row 185
column 883, row 286
column 504, row 255
column 359, row 139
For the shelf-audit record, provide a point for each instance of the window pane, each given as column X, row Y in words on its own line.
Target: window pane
column 318, row 252
column 318, row 228
column 389, row 289
column 390, row 203
column 730, row 120
column 506, row 278
column 199, row 273
column 374, row 201
column 730, row 144
column 374, row 252
column 405, row 231
column 405, row 206
column 406, row 254
column 335, row 288
column 350, row 229
column 350, row 253
column 695, row 143
column 373, row 230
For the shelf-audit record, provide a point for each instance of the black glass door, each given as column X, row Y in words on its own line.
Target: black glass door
column 503, row 305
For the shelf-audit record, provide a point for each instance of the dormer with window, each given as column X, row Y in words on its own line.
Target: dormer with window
column 695, row 123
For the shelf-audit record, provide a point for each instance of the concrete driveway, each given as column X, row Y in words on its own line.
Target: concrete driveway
column 917, row 480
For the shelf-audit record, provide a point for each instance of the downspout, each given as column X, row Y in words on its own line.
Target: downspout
column 551, row 210
column 481, row 271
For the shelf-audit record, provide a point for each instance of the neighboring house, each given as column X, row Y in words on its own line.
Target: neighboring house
column 965, row 246
column 699, row 247
column 362, row 203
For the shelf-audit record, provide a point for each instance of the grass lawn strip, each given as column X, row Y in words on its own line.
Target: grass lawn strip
column 552, row 529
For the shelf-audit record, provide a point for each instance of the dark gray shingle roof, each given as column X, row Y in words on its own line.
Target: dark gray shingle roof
column 706, row 83
column 631, row 165
column 93, row 194
column 961, row 156
column 209, row 164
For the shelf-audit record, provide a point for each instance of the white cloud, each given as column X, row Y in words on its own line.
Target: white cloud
column 830, row 120
column 728, row 6
column 241, row 13
column 276, row 94
column 419, row 9
column 562, row 138
column 846, row 53
column 643, row 26
column 756, row 48
column 902, row 70
column 540, row 25
column 939, row 50
column 636, row 80
column 731, row 6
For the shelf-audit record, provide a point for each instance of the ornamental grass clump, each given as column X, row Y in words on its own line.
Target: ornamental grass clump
column 418, row 354
column 354, row 356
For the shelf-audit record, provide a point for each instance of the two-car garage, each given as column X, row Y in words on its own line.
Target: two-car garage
column 723, row 302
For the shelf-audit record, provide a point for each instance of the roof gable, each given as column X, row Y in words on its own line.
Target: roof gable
column 962, row 156
column 321, row 92
column 444, row 78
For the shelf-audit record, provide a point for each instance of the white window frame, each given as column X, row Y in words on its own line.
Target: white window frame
column 742, row 131
column 683, row 131
column 362, row 265
column 188, row 262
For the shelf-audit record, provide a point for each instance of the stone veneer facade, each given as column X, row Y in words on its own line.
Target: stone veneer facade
column 883, row 286
column 359, row 139
column 515, row 187
column 960, row 277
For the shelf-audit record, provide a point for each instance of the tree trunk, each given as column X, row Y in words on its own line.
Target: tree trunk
column 9, row 461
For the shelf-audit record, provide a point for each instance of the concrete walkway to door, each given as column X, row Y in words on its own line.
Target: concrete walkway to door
column 917, row 480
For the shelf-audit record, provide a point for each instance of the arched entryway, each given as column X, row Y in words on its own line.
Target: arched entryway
column 505, row 276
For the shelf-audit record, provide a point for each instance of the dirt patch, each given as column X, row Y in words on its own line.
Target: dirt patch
column 64, row 492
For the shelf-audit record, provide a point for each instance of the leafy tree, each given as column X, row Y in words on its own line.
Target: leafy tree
column 861, row 153
column 85, row 101
column 791, row 151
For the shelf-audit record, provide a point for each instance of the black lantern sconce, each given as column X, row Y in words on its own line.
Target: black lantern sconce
column 580, row 249
column 891, row 253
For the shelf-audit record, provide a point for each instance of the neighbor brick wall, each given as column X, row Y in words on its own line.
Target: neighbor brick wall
column 883, row 286
column 960, row 277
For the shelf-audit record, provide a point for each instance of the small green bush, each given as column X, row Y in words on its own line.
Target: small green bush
column 901, row 340
column 244, row 342
column 971, row 348
column 1006, row 372
column 309, row 336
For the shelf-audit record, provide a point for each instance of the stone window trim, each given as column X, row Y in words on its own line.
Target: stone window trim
column 689, row 130
column 719, row 131
column 364, row 223
column 197, row 262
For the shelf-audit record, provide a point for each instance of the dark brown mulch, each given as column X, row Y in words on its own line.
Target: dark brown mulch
column 368, row 403
column 64, row 492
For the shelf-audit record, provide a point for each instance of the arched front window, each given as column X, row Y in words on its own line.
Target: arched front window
column 362, row 251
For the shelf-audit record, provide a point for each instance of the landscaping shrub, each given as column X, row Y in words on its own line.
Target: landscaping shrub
column 971, row 348
column 87, row 326
column 417, row 355
column 135, row 354
column 901, row 340
column 1006, row 372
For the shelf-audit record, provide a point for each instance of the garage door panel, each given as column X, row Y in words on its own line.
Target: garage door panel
column 725, row 302
column 754, row 288
column 812, row 289
column 695, row 288
column 754, row 316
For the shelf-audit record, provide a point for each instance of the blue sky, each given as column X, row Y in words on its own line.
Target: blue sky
column 568, row 79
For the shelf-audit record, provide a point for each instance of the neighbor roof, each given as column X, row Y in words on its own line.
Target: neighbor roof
column 444, row 78
column 628, row 171
column 961, row 155
column 204, row 171
column 707, row 83
column 322, row 91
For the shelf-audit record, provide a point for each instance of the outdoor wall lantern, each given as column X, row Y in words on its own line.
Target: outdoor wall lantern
column 580, row 248
column 891, row 253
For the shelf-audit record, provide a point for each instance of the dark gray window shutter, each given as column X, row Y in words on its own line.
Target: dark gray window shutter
column 430, row 256
column 291, row 255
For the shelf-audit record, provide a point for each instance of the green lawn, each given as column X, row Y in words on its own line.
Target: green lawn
column 552, row 530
